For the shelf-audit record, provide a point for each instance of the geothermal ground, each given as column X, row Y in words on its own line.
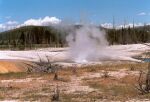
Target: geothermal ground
column 113, row 78
column 95, row 83
column 19, row 61
column 62, row 55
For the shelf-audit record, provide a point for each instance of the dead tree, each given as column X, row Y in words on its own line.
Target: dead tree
column 55, row 76
column 105, row 74
column 147, row 88
column 47, row 66
column 74, row 69
column 56, row 96
column 144, row 85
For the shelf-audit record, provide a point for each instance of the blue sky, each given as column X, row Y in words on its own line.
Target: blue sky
column 95, row 11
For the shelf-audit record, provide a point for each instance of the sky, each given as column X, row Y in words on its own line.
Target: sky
column 94, row 11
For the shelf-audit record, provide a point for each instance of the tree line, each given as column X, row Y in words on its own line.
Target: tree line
column 32, row 36
column 129, row 35
column 45, row 36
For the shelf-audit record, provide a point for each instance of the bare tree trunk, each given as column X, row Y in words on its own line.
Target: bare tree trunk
column 147, row 88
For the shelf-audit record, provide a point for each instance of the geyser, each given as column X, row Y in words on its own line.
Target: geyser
column 86, row 44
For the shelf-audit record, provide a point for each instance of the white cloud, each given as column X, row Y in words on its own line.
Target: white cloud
column 142, row 14
column 130, row 25
column 8, row 25
column 107, row 25
column 43, row 22
column 110, row 25
column 46, row 21
column 12, row 23
column 2, row 26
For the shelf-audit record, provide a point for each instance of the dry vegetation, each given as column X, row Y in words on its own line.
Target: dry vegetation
column 86, row 84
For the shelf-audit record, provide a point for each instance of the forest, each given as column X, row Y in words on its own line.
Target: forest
column 30, row 37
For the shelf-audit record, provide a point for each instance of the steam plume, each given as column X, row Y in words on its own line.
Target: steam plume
column 87, row 44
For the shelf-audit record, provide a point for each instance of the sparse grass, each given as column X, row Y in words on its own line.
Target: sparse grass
column 129, row 79
column 109, row 88
column 113, row 89
column 97, row 83
column 13, row 75
column 72, row 97
column 115, row 92
column 64, row 79
column 1, row 96
column 9, row 88
column 35, row 97
column 46, row 89
column 123, row 90
column 146, row 96
column 23, row 75
column 113, row 67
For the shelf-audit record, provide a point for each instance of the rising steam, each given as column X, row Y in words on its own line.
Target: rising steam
column 87, row 44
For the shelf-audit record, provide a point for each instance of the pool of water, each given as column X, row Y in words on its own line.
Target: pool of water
column 142, row 59
column 146, row 59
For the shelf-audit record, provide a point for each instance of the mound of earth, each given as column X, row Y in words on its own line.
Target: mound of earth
column 7, row 66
